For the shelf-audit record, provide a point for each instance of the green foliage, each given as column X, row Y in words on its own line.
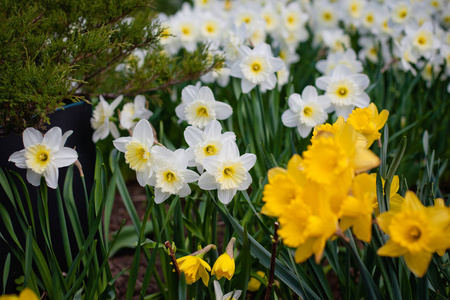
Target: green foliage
column 56, row 52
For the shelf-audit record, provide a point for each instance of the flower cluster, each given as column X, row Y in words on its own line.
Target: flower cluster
column 325, row 191
column 194, row 267
column 417, row 30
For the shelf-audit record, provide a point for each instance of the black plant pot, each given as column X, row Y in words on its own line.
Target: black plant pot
column 74, row 117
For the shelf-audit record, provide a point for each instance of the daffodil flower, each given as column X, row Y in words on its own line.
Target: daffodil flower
column 101, row 120
column 199, row 107
column 194, row 267
column 133, row 112
column 43, row 155
column 345, row 90
column 306, row 111
column 205, row 143
column 224, row 265
column 173, row 177
column 139, row 151
column 227, row 172
column 415, row 232
column 257, row 66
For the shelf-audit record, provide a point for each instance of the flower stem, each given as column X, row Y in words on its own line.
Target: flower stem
column 272, row 262
column 174, row 259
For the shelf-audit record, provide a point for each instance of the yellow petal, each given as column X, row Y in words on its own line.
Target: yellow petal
column 394, row 185
column 362, row 228
column 412, row 202
column 28, row 294
column 204, row 275
column 275, row 171
column 418, row 262
column 391, row 249
column 395, row 203
column 381, row 119
column 365, row 160
column 384, row 220
column 304, row 251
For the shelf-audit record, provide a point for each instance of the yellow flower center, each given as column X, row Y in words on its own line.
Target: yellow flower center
column 421, row 40
column 246, row 20
column 343, row 92
column 403, row 13
column 202, row 112
column 369, row 18
column 290, row 19
column 410, row 230
column 170, row 176
column 37, row 157
column 327, row 16
column 186, row 31
column 230, row 175
column 307, row 111
column 210, row 150
column 256, row 67
column 137, row 156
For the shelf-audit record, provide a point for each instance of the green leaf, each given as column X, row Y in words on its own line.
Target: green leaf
column 127, row 238
column 28, row 256
column 6, row 267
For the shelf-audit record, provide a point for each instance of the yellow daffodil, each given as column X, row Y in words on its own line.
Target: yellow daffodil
column 368, row 122
column 224, row 265
column 254, row 284
column 395, row 201
column 194, row 267
column 333, row 158
column 416, row 232
column 26, row 294
column 284, row 185
column 357, row 209
column 439, row 202
column 307, row 223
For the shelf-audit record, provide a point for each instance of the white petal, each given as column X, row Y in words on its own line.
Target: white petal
column 229, row 151
column 247, row 86
column 323, row 101
column 152, row 180
column 142, row 178
column 245, row 183
column 160, row 196
column 189, row 94
column 218, row 290
column 295, row 102
column 19, row 159
column 362, row 80
column 180, row 111
column 244, row 51
column 270, row 82
column 193, row 136
column 210, row 163
column 225, row 196
column 207, row 182
column 53, row 138
column 65, row 136
column 323, row 82
column 114, row 131
column 121, row 142
column 343, row 110
column 51, row 176
column 277, row 63
column 289, row 118
column 362, row 100
column 222, row 110
column 139, row 102
column 31, row 136
column 184, row 191
column 228, row 136
column 101, row 133
column 65, row 157
column 33, row 178
column 236, row 70
column 304, row 130
column 190, row 176
column 115, row 103
column 309, row 94
column 164, row 153
column 206, row 94
column 213, row 130
column 248, row 160
column 341, row 71
column 143, row 132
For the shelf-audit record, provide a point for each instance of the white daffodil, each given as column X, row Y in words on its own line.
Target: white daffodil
column 407, row 54
column 345, row 90
column 133, row 112
column 173, row 177
column 198, row 107
column 234, row 295
column 325, row 14
column 43, row 155
column 101, row 119
column 336, row 40
column 306, row 111
column 401, row 12
column 257, row 66
column 423, row 39
column 234, row 39
column 227, row 172
column 348, row 58
column 205, row 143
column 139, row 151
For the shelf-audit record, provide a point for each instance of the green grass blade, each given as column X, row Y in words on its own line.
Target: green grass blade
column 6, row 268
column 28, row 256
